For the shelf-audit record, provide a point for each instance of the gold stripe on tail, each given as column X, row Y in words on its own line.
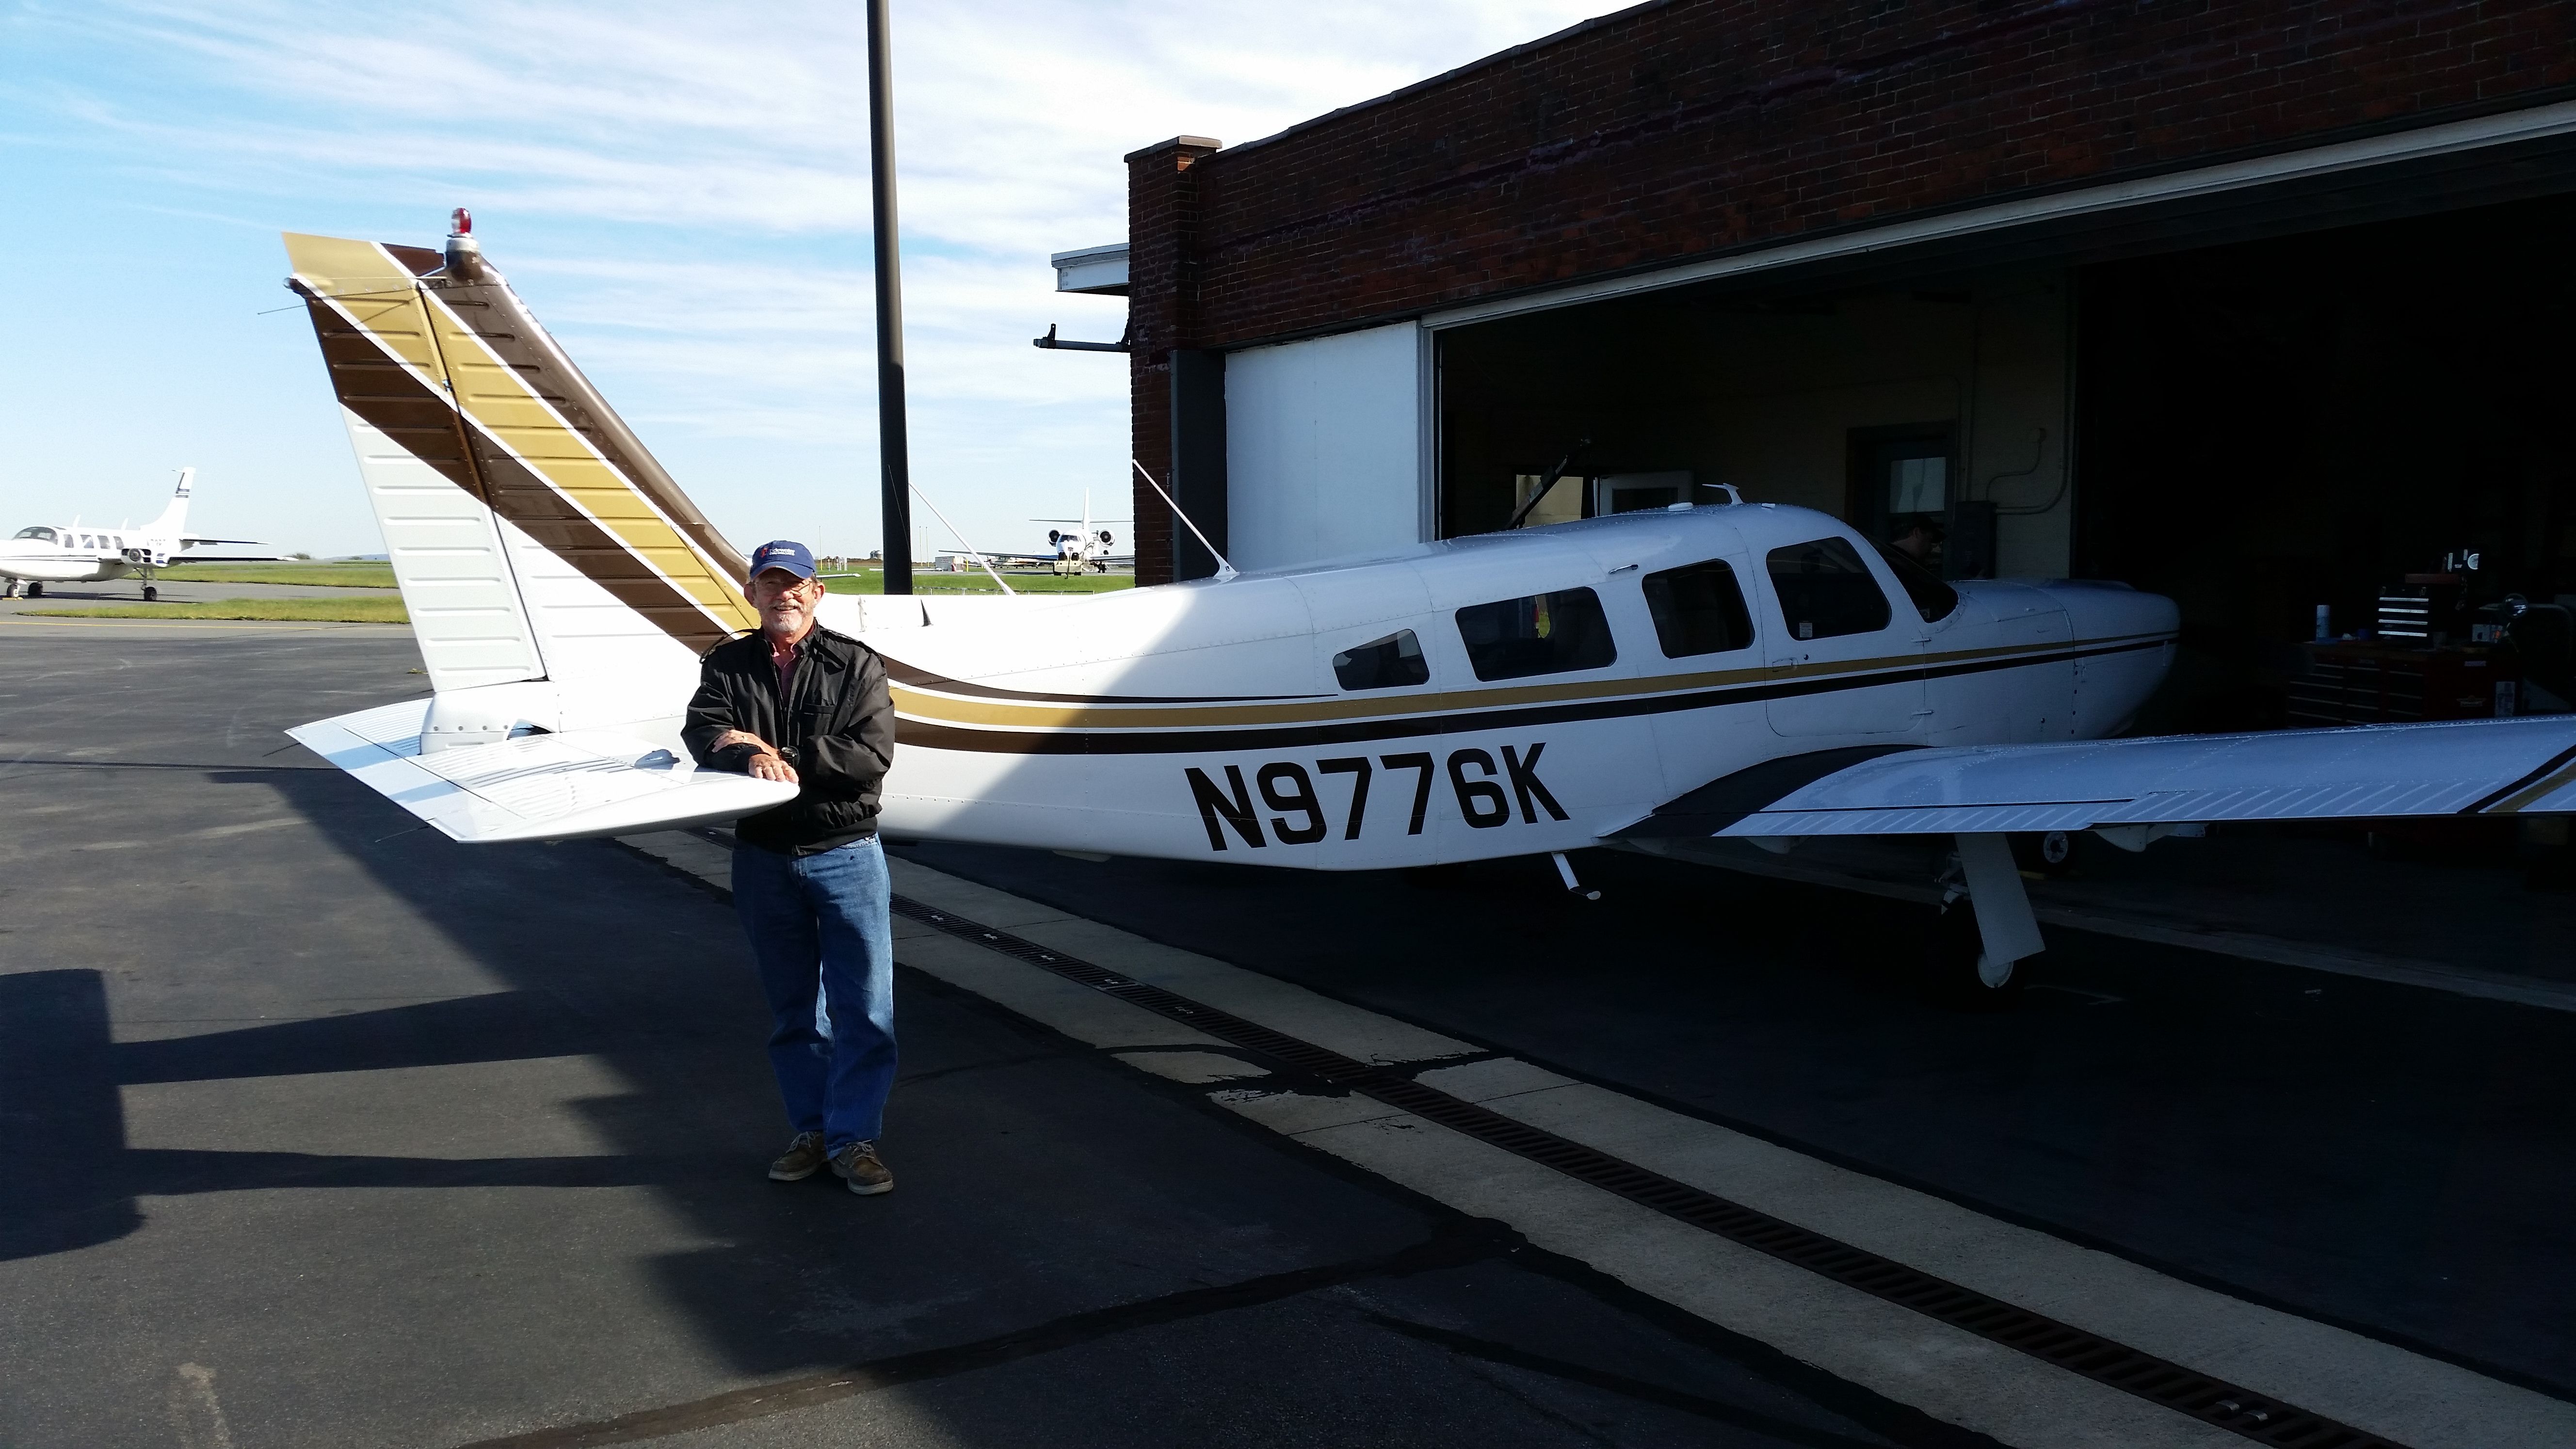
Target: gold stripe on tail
column 496, row 408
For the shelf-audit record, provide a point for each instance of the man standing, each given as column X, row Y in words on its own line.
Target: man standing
column 799, row 703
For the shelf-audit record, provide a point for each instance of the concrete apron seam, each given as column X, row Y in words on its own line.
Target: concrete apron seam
column 2171, row 1386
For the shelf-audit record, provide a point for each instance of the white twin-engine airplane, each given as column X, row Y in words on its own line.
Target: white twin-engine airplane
column 78, row 553
column 1092, row 548
column 1740, row 670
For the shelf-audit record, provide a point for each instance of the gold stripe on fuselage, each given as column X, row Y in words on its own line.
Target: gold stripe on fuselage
column 929, row 706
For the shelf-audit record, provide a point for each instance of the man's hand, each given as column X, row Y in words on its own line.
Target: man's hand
column 764, row 763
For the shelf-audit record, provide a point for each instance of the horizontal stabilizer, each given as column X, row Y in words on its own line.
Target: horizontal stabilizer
column 2521, row 766
column 237, row 555
column 535, row 787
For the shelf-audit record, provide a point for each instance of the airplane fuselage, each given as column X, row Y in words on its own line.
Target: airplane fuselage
column 1505, row 694
column 1498, row 695
column 76, row 554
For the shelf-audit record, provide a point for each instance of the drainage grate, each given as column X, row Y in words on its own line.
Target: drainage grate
column 2213, row 1401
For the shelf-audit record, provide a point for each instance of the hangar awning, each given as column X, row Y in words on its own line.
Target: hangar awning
column 1099, row 271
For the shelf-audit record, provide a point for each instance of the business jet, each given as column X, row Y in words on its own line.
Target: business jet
column 1090, row 547
column 77, row 553
column 1736, row 670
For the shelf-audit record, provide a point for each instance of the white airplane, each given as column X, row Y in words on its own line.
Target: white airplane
column 1090, row 547
column 78, row 553
column 1736, row 670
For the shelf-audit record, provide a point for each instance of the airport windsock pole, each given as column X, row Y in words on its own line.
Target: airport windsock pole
column 894, row 448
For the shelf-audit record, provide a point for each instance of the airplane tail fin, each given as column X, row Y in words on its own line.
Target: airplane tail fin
column 532, row 535
column 174, row 518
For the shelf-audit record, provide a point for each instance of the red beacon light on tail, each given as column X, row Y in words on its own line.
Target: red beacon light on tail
column 462, row 223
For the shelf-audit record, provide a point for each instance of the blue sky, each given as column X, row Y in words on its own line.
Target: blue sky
column 678, row 190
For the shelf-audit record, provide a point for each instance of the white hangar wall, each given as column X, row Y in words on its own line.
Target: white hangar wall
column 1324, row 444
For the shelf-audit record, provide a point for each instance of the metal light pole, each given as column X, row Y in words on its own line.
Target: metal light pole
column 894, row 447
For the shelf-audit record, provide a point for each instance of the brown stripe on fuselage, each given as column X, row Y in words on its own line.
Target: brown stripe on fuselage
column 392, row 399
column 1457, row 713
column 930, row 697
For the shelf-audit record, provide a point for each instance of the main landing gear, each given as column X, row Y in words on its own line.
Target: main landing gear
column 1986, row 929
column 151, row 595
column 35, row 589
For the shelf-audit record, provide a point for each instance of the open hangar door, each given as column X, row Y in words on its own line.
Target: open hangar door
column 1936, row 409
column 2345, row 411
column 2345, row 420
column 2342, row 411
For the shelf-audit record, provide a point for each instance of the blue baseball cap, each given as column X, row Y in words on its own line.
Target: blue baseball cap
column 783, row 553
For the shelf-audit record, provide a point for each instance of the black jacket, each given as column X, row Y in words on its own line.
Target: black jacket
column 836, row 727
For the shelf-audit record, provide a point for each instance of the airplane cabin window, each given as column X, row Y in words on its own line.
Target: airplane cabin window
column 1932, row 598
column 1698, row 610
column 1387, row 663
column 1825, row 590
column 1540, row 634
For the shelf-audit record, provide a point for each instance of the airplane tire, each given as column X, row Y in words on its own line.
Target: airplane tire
column 1951, row 979
column 35, row 591
column 151, row 595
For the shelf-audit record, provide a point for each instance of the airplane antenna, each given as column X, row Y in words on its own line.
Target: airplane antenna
column 961, row 538
column 1224, row 570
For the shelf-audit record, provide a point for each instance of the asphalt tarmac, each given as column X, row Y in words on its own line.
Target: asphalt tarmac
column 327, row 1131
column 2388, row 1158
column 175, row 588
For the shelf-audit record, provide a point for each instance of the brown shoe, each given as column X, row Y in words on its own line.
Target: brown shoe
column 858, row 1166
column 802, row 1159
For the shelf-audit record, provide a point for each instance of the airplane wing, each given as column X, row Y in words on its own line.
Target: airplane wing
column 537, row 787
column 2125, row 787
column 192, row 543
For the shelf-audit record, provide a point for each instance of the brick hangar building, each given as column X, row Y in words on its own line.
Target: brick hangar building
column 2261, row 306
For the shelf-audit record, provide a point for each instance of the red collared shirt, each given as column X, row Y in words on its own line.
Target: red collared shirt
column 783, row 657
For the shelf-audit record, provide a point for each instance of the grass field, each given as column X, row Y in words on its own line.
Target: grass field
column 872, row 581
column 317, row 575
column 354, row 610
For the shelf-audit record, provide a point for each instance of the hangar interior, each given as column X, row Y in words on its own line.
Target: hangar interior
column 2255, row 429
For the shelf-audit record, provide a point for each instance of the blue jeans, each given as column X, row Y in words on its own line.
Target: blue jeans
column 822, row 936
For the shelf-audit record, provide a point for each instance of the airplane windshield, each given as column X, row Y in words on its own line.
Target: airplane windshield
column 1932, row 598
column 46, row 534
column 1826, row 591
